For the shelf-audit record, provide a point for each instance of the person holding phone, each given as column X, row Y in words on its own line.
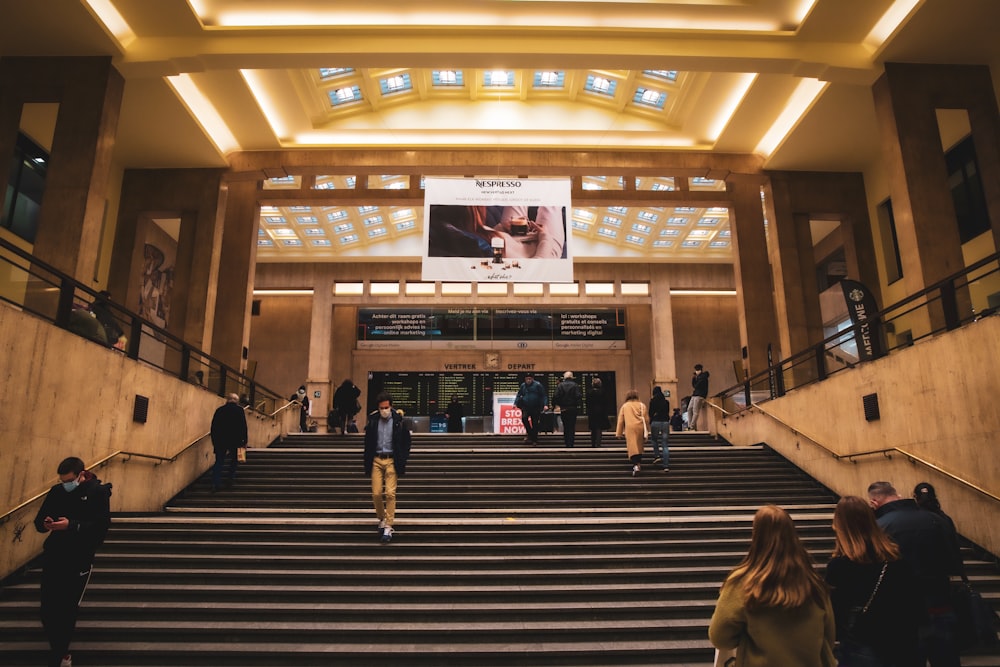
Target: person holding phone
column 76, row 513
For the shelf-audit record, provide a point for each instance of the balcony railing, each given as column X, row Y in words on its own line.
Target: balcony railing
column 38, row 288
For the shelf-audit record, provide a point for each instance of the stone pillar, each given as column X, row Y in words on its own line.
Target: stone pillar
column 662, row 333
column 320, row 335
column 89, row 94
column 906, row 97
column 237, row 264
column 754, row 294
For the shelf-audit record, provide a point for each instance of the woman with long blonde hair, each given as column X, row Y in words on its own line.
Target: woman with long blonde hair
column 875, row 594
column 773, row 607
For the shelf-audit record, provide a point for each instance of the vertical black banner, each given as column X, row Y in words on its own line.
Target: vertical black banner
column 862, row 308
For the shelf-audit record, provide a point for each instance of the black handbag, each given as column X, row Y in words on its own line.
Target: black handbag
column 855, row 622
column 977, row 621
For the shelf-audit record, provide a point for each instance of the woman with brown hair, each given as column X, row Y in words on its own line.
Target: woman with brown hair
column 874, row 592
column 774, row 608
column 633, row 425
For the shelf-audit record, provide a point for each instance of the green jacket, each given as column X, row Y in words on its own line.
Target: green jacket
column 773, row 637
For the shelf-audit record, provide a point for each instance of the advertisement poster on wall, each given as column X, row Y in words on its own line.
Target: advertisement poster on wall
column 497, row 230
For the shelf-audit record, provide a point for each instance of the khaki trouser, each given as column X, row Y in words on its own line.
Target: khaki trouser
column 384, row 489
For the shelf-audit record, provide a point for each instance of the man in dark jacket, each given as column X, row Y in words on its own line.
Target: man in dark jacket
column 567, row 399
column 76, row 513
column 229, row 433
column 387, row 449
column 531, row 400
column 699, row 392
column 924, row 542
column 345, row 404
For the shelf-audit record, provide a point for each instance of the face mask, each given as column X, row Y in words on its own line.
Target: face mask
column 384, row 412
column 71, row 485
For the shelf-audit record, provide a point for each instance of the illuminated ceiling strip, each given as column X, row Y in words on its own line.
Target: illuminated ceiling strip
column 803, row 97
column 447, row 138
column 894, row 17
column 113, row 22
column 343, row 18
column 730, row 106
column 204, row 113
column 282, row 292
column 702, row 292
column 264, row 101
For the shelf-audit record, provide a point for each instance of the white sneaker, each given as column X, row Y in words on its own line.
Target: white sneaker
column 67, row 661
column 387, row 535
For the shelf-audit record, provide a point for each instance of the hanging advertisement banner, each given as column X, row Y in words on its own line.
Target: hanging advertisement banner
column 862, row 307
column 497, row 230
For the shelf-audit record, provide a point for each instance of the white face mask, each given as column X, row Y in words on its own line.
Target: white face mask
column 384, row 412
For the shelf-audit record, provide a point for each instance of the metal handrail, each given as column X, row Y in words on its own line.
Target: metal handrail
column 886, row 452
column 104, row 461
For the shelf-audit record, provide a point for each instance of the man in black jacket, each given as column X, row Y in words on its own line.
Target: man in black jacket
column 76, row 513
column 229, row 433
column 567, row 399
column 699, row 392
column 387, row 449
column 924, row 542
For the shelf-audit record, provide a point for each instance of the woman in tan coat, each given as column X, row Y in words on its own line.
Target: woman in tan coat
column 633, row 424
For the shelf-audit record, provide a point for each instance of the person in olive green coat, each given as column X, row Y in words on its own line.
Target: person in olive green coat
column 774, row 609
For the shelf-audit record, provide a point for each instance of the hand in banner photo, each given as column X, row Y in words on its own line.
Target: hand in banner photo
column 477, row 231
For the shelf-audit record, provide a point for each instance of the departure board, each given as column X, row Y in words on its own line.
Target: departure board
column 427, row 394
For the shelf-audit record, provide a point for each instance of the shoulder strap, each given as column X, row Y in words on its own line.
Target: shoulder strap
column 878, row 583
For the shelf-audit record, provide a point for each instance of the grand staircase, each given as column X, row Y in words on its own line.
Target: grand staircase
column 503, row 555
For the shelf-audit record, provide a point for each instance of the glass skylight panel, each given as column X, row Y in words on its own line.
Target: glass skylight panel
column 550, row 79
column 708, row 222
column 670, row 232
column 344, row 95
column 609, row 233
column 306, row 219
column 649, row 98
column 499, row 78
column 648, row 216
column 587, row 185
column 282, row 180
column 677, row 221
column 401, row 213
column 641, row 228
column 333, row 72
column 600, row 85
column 397, row 185
column 300, row 209
column 377, row 232
column 291, row 243
column 314, row 231
column 582, row 226
column 702, row 183
column 274, row 219
column 334, row 216
column 364, row 210
column 284, row 232
column 396, row 84
column 405, row 226
column 446, row 78
column 373, row 220
column 346, row 227
column 325, row 185
column 261, row 232
column 684, row 209
column 719, row 244
column 667, row 74
column 656, row 183
column 322, row 243
column 637, row 240
column 662, row 187
column 612, row 220
column 618, row 210
column 663, row 244
column 350, row 238
column 700, row 233
column 583, row 214
column 717, row 210
column 724, row 234
column 691, row 244
column 265, row 243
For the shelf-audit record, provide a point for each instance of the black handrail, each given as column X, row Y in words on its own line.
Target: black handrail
column 69, row 287
column 944, row 291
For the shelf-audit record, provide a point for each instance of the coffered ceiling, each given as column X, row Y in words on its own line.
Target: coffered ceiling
column 787, row 80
